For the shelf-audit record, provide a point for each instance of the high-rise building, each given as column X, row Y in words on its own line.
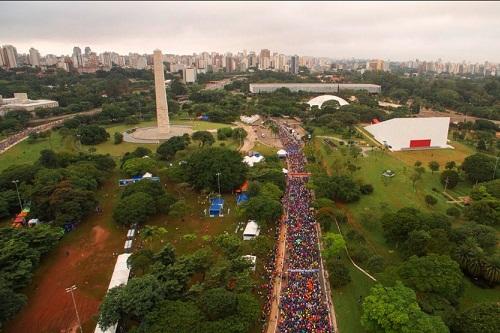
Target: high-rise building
column 10, row 56
column 87, row 51
column 2, row 62
column 294, row 64
column 77, row 57
column 265, row 59
column 34, row 57
column 375, row 65
column 189, row 75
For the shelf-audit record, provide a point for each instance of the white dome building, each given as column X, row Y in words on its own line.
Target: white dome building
column 318, row 101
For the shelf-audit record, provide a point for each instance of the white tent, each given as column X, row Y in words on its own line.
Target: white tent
column 251, row 160
column 250, row 120
column 285, row 171
column 147, row 175
column 281, row 153
column 412, row 133
column 119, row 277
column 252, row 260
column 251, row 231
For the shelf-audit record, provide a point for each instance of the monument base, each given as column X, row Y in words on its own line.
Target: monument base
column 153, row 134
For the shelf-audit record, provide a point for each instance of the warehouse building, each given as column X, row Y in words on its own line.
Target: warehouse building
column 412, row 133
column 321, row 88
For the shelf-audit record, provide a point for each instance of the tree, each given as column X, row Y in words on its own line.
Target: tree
column 218, row 303
column 204, row 137
column 395, row 309
column 262, row 209
column 135, row 208
column 333, row 243
column 479, row 167
column 415, row 177
column 166, row 255
column 434, row 166
column 397, row 226
column 417, row 243
column 375, row 263
column 48, row 159
column 437, row 274
column 224, row 133
column 92, row 134
column 140, row 261
column 118, row 138
column 484, row 212
column 430, row 200
column 481, row 317
column 178, row 209
column 204, row 164
column 229, row 244
column 139, row 166
column 239, row 134
column 449, row 178
column 172, row 317
column 339, row 273
column 168, row 148
column 450, row 165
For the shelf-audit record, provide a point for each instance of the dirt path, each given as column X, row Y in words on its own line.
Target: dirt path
column 85, row 257
column 250, row 140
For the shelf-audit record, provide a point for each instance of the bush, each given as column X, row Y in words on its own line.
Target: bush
column 224, row 133
column 450, row 176
column 366, row 189
column 92, row 134
column 375, row 263
column 358, row 252
column 118, row 138
column 339, row 274
column 453, row 211
column 430, row 200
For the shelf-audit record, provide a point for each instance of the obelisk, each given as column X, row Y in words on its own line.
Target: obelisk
column 161, row 95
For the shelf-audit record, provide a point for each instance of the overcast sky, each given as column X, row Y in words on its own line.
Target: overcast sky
column 453, row 31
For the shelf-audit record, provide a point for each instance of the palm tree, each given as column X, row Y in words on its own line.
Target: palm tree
column 491, row 271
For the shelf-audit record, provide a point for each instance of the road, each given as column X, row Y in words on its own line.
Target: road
column 283, row 272
column 18, row 137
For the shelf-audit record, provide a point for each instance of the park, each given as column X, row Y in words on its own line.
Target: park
column 375, row 216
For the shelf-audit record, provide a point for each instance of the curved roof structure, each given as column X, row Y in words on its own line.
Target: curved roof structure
column 318, row 101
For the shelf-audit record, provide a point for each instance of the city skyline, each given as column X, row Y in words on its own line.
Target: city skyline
column 465, row 31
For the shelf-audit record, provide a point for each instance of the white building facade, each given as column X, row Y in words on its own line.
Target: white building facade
column 412, row 133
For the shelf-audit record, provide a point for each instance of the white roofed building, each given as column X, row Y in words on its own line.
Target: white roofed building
column 412, row 133
column 120, row 276
column 319, row 100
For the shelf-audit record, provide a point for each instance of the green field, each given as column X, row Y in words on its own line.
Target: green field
column 25, row 152
column 390, row 194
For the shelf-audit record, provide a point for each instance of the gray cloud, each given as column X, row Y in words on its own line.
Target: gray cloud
column 391, row 30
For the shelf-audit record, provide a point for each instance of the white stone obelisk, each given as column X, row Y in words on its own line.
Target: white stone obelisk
column 161, row 95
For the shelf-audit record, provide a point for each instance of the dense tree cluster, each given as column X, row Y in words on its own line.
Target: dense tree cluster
column 167, row 298
column 142, row 200
column 21, row 252
column 203, row 166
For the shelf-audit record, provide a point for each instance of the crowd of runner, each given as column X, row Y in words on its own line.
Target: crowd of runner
column 303, row 306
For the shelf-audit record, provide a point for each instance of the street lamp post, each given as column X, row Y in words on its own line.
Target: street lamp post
column 218, row 180
column 18, row 196
column 70, row 290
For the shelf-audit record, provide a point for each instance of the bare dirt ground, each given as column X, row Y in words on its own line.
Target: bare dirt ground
column 86, row 258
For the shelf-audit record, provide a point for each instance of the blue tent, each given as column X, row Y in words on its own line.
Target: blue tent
column 242, row 197
column 216, row 206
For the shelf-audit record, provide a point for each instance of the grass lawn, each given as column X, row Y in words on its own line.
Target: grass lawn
column 25, row 152
column 264, row 149
column 346, row 299
column 442, row 156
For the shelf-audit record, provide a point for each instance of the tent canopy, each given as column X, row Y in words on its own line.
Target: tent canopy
column 240, row 198
column 251, row 231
